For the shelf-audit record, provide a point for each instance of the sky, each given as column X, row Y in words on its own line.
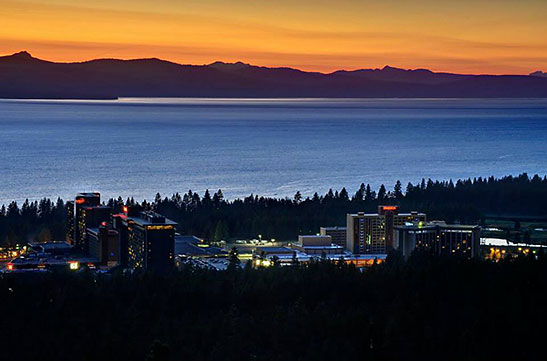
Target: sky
column 494, row 37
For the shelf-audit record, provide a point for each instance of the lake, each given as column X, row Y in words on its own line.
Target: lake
column 137, row 147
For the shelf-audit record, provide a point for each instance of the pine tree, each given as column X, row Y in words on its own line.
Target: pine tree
column 369, row 194
column 218, row 198
column 316, row 198
column 382, row 193
column 206, row 200
column 221, row 231
column 360, row 194
column 398, row 190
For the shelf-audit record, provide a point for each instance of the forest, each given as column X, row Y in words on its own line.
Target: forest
column 212, row 217
column 428, row 308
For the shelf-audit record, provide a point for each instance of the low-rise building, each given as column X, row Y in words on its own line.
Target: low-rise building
column 52, row 248
column 266, row 256
column 497, row 248
column 337, row 234
column 317, row 245
column 43, row 262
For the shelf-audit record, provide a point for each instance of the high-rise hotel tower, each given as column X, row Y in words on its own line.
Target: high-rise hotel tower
column 374, row 233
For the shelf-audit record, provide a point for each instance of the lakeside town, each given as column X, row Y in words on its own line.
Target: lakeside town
column 99, row 239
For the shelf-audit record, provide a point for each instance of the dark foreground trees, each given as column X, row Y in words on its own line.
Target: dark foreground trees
column 428, row 308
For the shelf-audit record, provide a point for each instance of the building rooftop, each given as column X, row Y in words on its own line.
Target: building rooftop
column 96, row 231
column 189, row 239
column 50, row 245
column 88, row 194
column 100, row 206
column 275, row 250
column 335, row 228
column 304, row 257
column 36, row 259
column 499, row 242
column 148, row 219
column 192, row 246
column 325, row 247
column 435, row 224
column 376, row 214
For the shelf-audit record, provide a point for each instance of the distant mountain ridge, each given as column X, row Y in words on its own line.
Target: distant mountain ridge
column 539, row 73
column 23, row 76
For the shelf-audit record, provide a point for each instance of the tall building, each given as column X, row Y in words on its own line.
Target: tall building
column 104, row 244
column 70, row 222
column 121, row 222
column 337, row 234
column 374, row 233
column 83, row 201
column 92, row 217
column 438, row 238
column 150, row 240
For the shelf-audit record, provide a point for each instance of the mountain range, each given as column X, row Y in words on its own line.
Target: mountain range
column 24, row 76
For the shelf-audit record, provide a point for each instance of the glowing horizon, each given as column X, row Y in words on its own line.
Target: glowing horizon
column 461, row 37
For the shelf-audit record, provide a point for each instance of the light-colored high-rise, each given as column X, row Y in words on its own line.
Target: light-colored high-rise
column 373, row 232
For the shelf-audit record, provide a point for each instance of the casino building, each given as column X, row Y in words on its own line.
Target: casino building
column 147, row 239
column 438, row 238
column 133, row 238
column 374, row 233
column 81, row 203
column 70, row 222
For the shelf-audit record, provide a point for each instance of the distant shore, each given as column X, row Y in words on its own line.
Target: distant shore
column 27, row 77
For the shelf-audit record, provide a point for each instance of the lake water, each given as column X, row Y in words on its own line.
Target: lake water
column 137, row 147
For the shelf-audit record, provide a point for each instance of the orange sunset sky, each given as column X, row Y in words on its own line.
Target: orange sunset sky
column 497, row 36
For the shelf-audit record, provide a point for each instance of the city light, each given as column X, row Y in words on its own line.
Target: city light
column 74, row 265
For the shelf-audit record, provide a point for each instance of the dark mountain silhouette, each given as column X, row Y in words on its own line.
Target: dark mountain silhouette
column 539, row 73
column 23, row 76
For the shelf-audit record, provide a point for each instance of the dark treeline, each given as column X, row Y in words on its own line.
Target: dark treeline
column 427, row 308
column 210, row 216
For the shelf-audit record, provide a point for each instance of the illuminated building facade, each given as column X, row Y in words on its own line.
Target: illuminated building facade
column 374, row 233
column 70, row 222
column 91, row 217
column 121, row 222
column 150, row 240
column 82, row 202
column 337, row 234
column 438, row 238
column 497, row 248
